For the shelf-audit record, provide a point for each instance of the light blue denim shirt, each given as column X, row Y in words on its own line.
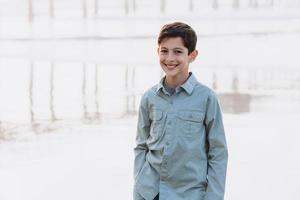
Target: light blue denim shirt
column 181, row 150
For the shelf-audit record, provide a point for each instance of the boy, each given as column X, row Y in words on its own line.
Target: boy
column 181, row 151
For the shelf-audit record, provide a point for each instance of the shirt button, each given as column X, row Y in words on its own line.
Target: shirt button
column 171, row 102
column 167, row 143
column 169, row 123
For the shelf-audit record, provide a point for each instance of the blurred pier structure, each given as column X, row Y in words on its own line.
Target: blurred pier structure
column 59, row 9
column 242, row 86
column 93, row 59
column 51, row 19
column 249, row 85
column 91, row 91
column 131, row 94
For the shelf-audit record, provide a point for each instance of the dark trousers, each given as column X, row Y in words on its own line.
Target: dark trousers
column 157, row 197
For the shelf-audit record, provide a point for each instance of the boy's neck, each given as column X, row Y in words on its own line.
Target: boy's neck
column 175, row 81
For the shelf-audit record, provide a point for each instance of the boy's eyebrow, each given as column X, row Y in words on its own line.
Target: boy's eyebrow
column 176, row 48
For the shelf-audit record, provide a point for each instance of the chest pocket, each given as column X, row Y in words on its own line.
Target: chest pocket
column 157, row 123
column 190, row 123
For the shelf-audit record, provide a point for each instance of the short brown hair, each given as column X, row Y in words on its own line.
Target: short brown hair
column 182, row 30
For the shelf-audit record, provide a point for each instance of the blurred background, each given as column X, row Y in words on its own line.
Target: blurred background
column 72, row 73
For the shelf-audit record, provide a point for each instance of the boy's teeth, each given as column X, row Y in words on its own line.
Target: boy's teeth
column 171, row 65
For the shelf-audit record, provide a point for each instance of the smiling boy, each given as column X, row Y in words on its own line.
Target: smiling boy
column 181, row 151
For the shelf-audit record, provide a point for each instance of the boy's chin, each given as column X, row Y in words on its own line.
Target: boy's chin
column 169, row 71
column 170, row 74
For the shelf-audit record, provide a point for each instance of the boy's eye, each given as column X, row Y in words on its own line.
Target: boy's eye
column 178, row 52
column 163, row 51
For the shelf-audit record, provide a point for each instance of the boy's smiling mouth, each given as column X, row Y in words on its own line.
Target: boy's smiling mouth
column 171, row 66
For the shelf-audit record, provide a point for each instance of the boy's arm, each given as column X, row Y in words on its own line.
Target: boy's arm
column 141, row 148
column 217, row 153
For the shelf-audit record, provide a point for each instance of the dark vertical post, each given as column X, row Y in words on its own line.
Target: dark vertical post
column 96, row 93
column 215, row 4
column 134, row 5
column 127, row 89
column 126, row 4
column 191, row 6
column 30, row 11
column 84, row 9
column 51, row 8
column 215, row 81
column 31, row 79
column 53, row 117
column 236, row 4
column 133, row 94
column 253, row 3
column 96, row 4
column 83, row 89
column 162, row 6
column 235, row 83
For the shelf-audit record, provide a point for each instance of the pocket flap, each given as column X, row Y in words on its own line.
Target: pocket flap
column 194, row 116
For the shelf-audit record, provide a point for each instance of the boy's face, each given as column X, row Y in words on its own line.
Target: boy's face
column 174, row 58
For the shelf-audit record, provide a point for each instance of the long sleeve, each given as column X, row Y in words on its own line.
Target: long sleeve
column 216, row 150
column 141, row 149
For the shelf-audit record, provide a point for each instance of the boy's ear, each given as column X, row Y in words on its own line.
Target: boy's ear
column 193, row 55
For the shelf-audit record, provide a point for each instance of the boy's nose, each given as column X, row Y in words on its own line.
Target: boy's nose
column 170, row 57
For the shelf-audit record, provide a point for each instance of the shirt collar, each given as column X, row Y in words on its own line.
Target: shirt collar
column 160, row 85
column 188, row 86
